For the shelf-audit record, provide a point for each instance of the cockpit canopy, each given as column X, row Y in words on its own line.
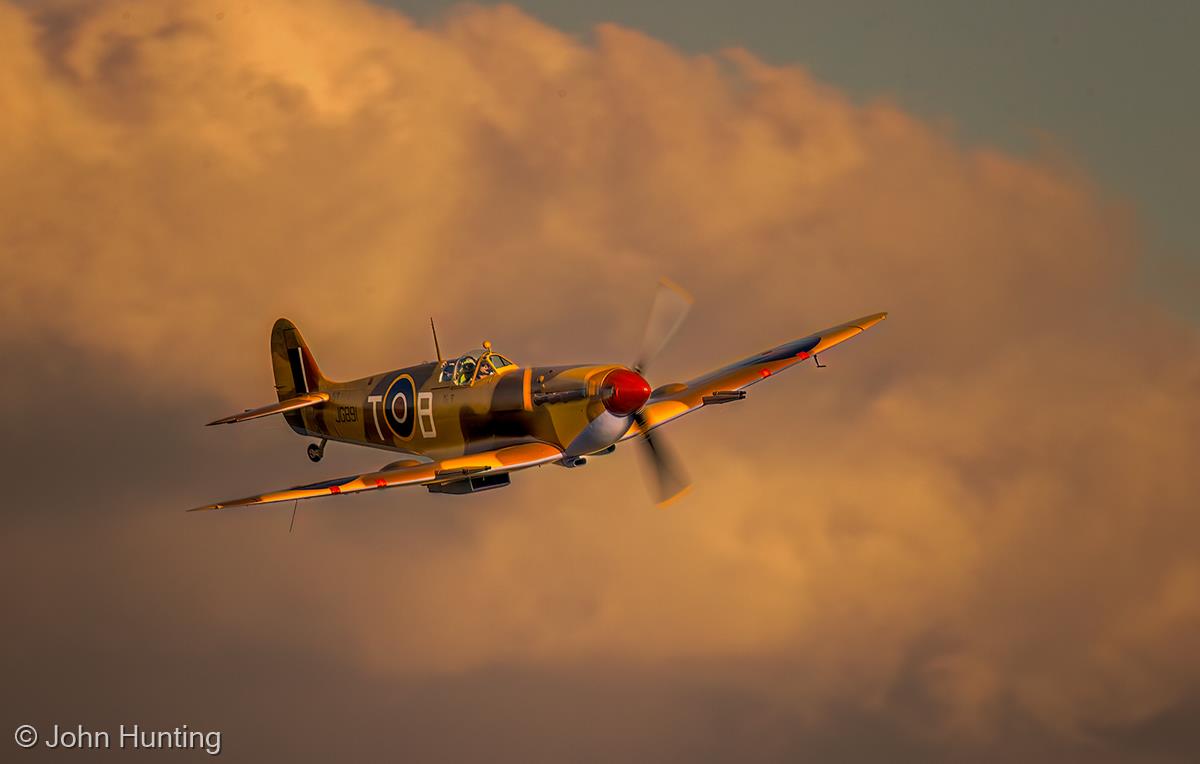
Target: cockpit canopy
column 473, row 366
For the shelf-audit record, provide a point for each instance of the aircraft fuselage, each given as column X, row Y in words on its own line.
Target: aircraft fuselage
column 413, row 410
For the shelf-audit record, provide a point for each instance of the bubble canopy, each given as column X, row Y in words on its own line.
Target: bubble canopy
column 473, row 366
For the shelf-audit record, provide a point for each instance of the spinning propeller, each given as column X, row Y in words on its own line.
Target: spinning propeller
column 671, row 305
column 624, row 392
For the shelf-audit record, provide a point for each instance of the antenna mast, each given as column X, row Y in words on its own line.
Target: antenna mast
column 435, row 342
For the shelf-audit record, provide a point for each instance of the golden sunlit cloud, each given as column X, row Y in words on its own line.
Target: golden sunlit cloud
column 992, row 494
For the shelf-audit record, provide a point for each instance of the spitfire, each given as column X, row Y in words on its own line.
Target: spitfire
column 464, row 424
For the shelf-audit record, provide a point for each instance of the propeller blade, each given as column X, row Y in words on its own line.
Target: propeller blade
column 670, row 479
column 671, row 305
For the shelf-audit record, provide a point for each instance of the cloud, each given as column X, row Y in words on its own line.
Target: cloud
column 980, row 519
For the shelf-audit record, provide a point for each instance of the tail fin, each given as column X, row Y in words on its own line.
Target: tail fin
column 296, row 370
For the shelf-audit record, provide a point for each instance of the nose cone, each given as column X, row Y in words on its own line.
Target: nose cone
column 624, row 392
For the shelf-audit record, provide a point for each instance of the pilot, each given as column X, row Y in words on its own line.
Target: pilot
column 466, row 368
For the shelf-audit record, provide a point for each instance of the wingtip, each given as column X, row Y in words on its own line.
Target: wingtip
column 866, row 322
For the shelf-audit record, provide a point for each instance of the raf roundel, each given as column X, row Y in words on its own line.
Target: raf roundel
column 398, row 407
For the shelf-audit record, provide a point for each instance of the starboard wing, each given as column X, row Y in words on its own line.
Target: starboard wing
column 673, row 401
column 506, row 459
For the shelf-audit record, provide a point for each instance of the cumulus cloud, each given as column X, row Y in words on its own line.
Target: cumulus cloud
column 983, row 510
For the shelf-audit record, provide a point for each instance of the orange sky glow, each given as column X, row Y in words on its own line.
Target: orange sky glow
column 973, row 535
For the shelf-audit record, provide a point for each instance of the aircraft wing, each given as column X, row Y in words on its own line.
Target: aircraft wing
column 501, row 460
column 723, row 385
column 291, row 404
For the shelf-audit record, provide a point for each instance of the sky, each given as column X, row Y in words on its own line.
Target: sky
column 972, row 537
column 1104, row 79
column 1101, row 84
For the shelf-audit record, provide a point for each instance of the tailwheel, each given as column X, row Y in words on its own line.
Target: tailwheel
column 316, row 451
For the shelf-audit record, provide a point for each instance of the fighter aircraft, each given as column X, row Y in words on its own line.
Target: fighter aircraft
column 464, row 424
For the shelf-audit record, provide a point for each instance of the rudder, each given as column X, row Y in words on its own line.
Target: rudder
column 296, row 370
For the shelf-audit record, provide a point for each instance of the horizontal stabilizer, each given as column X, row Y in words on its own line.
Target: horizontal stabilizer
column 291, row 404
